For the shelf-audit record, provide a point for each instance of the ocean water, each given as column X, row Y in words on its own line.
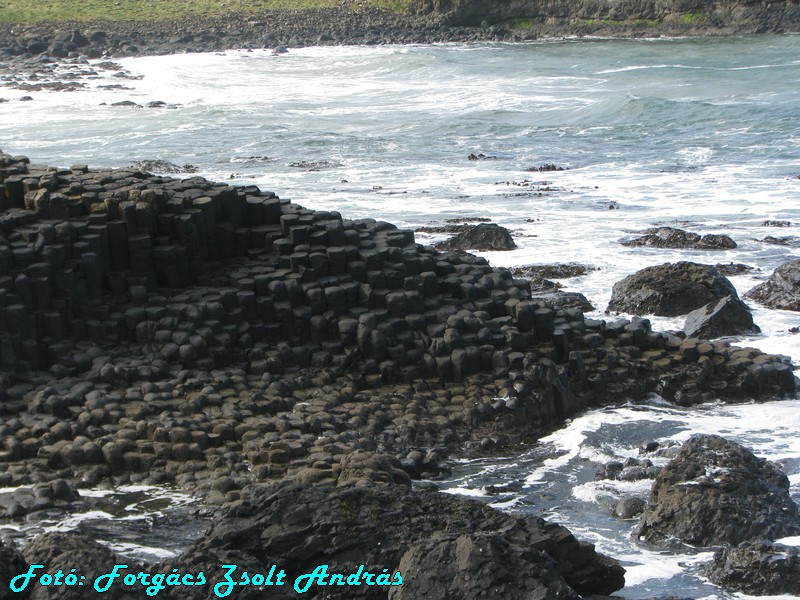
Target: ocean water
column 702, row 134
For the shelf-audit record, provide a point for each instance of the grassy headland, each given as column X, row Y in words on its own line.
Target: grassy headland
column 36, row 11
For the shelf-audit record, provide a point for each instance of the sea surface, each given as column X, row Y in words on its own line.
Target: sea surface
column 702, row 134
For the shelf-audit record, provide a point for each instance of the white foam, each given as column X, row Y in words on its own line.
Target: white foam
column 470, row 493
column 789, row 541
column 137, row 550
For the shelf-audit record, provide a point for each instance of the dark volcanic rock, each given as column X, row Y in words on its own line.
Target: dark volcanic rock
column 757, row 568
column 163, row 166
column 182, row 331
column 11, row 565
column 670, row 237
column 728, row 316
column 716, row 492
column 670, row 289
column 386, row 527
column 732, row 268
column 545, row 168
column 563, row 300
column 782, row 289
column 629, row 507
column 470, row 566
column 484, row 236
column 784, row 240
column 65, row 551
column 552, row 271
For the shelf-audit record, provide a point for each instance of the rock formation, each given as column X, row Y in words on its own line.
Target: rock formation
column 159, row 329
column 782, row 289
column 669, row 237
column 727, row 316
column 440, row 543
column 668, row 16
column 757, row 568
column 484, row 236
column 670, row 289
column 717, row 492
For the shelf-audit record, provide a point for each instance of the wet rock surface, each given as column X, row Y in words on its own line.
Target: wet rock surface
column 629, row 507
column 432, row 538
column 732, row 268
column 483, row 237
column 180, row 331
column 717, row 492
column 549, row 292
column 782, row 289
column 727, row 316
column 758, row 568
column 162, row 166
column 158, row 330
column 553, row 271
column 670, row 237
column 631, row 469
column 66, row 551
column 670, row 289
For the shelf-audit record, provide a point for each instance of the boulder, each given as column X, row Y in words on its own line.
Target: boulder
column 728, row 316
column 670, row 289
column 717, row 492
column 782, row 289
column 757, row 568
column 670, row 237
column 629, row 507
column 484, row 236
column 387, row 526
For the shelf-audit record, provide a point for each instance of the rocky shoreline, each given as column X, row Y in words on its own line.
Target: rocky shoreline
column 291, row 366
column 353, row 23
column 185, row 332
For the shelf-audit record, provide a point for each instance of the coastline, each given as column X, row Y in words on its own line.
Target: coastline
column 183, row 332
column 376, row 392
column 343, row 26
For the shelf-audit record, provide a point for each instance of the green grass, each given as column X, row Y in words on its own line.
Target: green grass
column 32, row 11
column 397, row 6
column 522, row 24
column 692, row 18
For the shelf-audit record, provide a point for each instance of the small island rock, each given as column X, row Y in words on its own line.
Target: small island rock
column 670, row 289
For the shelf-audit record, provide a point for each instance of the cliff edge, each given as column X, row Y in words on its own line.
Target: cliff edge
column 608, row 17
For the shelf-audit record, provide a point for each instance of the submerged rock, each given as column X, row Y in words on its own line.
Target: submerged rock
column 670, row 289
column 732, row 268
column 757, row 568
column 163, row 166
column 782, row 289
column 715, row 492
column 552, row 271
column 670, row 237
